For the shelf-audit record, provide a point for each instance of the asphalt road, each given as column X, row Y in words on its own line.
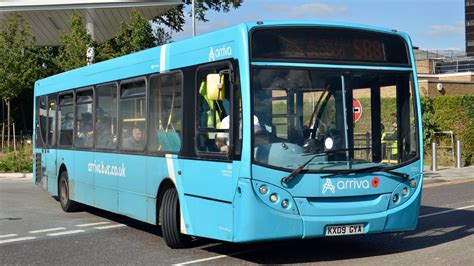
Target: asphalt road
column 34, row 230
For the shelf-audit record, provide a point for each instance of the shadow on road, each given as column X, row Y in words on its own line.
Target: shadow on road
column 431, row 231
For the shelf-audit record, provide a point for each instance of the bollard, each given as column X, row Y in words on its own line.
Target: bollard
column 434, row 163
column 458, row 154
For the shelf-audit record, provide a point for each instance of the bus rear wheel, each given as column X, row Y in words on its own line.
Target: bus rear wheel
column 66, row 203
column 170, row 216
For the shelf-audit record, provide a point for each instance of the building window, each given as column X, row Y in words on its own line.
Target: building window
column 470, row 23
column 470, row 43
column 469, row 2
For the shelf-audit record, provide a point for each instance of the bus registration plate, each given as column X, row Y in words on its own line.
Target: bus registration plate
column 339, row 230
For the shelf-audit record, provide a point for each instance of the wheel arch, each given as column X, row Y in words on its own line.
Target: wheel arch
column 166, row 184
column 62, row 169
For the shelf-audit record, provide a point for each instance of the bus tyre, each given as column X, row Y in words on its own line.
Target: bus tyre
column 66, row 204
column 171, row 220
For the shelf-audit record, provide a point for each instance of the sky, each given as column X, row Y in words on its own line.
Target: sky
column 432, row 24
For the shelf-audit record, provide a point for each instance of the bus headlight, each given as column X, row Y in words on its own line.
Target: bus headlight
column 404, row 191
column 328, row 143
column 412, row 183
column 273, row 197
column 263, row 189
column 285, row 203
column 395, row 197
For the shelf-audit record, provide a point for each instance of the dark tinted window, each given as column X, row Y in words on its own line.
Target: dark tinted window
column 42, row 117
column 165, row 113
column 328, row 44
column 133, row 115
column 106, row 117
column 84, row 122
column 66, row 119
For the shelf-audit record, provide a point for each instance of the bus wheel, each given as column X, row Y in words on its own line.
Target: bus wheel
column 66, row 204
column 170, row 220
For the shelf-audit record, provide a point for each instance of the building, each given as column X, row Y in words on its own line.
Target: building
column 469, row 24
column 444, row 73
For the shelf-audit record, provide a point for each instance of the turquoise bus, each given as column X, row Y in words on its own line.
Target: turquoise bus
column 260, row 131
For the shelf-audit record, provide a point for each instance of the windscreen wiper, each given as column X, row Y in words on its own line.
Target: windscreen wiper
column 301, row 167
column 403, row 176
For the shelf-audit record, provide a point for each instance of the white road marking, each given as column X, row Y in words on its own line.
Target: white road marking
column 9, row 235
column 91, row 224
column 110, row 226
column 218, row 257
column 16, row 239
column 66, row 233
column 46, row 230
column 443, row 212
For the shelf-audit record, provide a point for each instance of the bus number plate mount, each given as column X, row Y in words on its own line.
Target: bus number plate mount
column 340, row 230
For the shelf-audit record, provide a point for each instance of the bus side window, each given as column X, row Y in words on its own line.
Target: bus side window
column 106, row 117
column 165, row 113
column 133, row 115
column 41, row 122
column 213, row 116
column 84, row 122
column 66, row 119
column 52, row 123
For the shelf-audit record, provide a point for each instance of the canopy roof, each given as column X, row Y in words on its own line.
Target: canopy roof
column 49, row 17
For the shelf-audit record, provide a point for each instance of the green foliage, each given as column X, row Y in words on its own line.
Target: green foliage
column 174, row 18
column 429, row 121
column 19, row 59
column 74, row 45
column 456, row 113
column 132, row 37
column 18, row 161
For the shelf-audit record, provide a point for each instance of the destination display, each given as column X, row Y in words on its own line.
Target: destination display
column 328, row 44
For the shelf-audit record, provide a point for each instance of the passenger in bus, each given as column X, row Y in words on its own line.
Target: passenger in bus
column 222, row 139
column 85, row 133
column 136, row 140
column 105, row 139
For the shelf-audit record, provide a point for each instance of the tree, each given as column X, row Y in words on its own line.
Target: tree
column 139, row 34
column 132, row 37
column 74, row 46
column 174, row 18
column 19, row 61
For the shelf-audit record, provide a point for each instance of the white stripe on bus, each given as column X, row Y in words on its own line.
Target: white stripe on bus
column 163, row 57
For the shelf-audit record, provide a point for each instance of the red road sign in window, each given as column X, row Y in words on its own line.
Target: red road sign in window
column 357, row 107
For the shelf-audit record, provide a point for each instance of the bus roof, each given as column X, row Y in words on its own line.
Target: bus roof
column 231, row 42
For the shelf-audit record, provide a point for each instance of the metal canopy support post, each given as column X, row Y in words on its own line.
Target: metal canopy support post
column 193, row 18
column 90, row 27
column 458, row 154
column 434, row 163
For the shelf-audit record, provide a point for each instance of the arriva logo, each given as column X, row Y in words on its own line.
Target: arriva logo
column 219, row 52
column 349, row 184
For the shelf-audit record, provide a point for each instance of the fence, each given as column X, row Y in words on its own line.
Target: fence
column 16, row 139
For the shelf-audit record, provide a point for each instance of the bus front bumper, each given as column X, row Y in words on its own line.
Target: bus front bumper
column 255, row 221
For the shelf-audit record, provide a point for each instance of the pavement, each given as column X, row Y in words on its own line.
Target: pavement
column 16, row 175
column 448, row 174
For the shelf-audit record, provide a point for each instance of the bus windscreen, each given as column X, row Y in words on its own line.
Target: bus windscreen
column 328, row 44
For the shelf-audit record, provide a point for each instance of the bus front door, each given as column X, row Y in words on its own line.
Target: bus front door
column 49, row 154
